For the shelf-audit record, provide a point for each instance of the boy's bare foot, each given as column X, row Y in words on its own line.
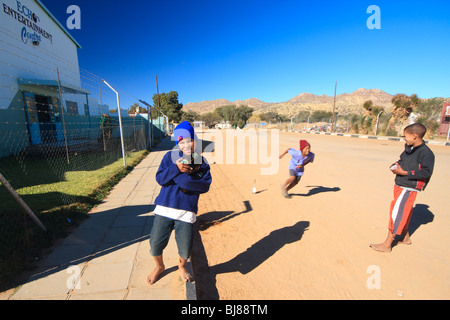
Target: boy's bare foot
column 284, row 192
column 405, row 241
column 386, row 246
column 381, row 247
column 184, row 274
column 153, row 277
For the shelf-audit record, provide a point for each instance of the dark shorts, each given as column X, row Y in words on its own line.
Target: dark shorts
column 293, row 173
column 161, row 231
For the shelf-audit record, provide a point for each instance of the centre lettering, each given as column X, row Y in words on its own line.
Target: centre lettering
column 28, row 19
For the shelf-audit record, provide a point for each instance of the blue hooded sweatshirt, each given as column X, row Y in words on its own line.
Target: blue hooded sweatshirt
column 181, row 190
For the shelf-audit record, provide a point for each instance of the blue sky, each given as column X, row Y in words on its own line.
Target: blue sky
column 270, row 50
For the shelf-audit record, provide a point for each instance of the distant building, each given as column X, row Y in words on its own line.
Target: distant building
column 223, row 125
column 199, row 125
column 444, row 123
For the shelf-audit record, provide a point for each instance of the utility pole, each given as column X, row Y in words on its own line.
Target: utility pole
column 157, row 91
column 150, row 113
column 334, row 107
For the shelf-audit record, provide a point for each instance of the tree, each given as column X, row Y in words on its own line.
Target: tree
column 226, row 112
column 170, row 105
column 210, row 118
column 404, row 105
column 321, row 115
column 190, row 116
column 368, row 121
column 242, row 114
column 273, row 117
column 429, row 114
column 372, row 110
column 236, row 116
column 136, row 108
column 302, row 116
column 431, row 108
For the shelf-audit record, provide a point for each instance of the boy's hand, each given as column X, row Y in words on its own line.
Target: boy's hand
column 184, row 168
column 397, row 169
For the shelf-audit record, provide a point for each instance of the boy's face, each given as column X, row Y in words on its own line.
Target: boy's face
column 411, row 139
column 306, row 151
column 186, row 146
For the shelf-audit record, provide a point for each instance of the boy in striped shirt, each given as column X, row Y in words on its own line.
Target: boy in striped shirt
column 413, row 172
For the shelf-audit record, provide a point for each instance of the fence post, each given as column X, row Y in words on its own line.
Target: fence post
column 21, row 202
column 63, row 120
column 101, row 119
column 120, row 121
column 150, row 118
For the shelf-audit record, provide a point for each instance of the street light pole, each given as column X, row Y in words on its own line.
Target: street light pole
column 376, row 127
column 334, row 106
column 307, row 124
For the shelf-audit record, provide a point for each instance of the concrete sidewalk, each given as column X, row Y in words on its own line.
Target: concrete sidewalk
column 107, row 257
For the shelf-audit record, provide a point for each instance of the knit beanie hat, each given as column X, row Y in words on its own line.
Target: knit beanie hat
column 303, row 144
column 184, row 130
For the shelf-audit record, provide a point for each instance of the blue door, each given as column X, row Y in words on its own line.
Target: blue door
column 32, row 118
column 43, row 118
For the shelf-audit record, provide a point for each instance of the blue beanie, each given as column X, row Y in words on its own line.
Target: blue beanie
column 184, row 130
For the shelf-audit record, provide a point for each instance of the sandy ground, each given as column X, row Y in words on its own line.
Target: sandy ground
column 316, row 245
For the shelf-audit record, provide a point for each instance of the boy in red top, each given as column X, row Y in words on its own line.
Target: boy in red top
column 413, row 172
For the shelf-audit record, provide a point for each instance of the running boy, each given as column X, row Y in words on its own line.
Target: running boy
column 183, row 176
column 300, row 158
column 412, row 174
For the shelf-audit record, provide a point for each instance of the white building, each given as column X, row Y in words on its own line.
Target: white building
column 33, row 46
column 223, row 125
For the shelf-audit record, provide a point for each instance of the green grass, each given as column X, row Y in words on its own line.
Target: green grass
column 60, row 194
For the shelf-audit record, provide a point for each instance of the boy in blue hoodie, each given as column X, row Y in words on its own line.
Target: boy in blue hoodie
column 183, row 175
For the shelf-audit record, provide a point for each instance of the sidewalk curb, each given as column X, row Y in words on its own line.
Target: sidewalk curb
column 191, row 290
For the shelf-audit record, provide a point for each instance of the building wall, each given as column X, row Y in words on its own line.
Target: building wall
column 27, row 61
column 29, row 71
column 445, row 119
column 21, row 23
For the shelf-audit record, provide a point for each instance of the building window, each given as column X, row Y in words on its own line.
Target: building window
column 72, row 107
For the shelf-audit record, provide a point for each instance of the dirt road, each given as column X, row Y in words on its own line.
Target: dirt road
column 316, row 245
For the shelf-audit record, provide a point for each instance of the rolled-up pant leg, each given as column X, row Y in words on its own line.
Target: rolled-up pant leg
column 401, row 210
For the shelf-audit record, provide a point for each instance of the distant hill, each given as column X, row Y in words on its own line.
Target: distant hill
column 345, row 103
column 211, row 105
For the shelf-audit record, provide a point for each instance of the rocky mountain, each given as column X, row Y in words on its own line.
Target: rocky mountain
column 211, row 105
column 345, row 103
